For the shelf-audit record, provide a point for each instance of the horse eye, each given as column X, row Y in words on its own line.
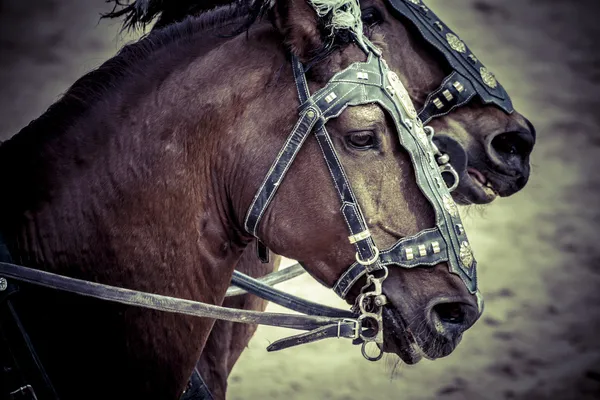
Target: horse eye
column 371, row 16
column 362, row 140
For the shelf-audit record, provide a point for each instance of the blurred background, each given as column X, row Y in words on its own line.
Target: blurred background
column 538, row 251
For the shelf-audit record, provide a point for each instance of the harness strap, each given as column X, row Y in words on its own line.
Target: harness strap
column 12, row 333
column 480, row 80
column 455, row 91
column 160, row 302
column 328, row 104
column 262, row 252
column 278, row 169
column 287, row 300
column 270, row 279
column 328, row 331
column 26, row 360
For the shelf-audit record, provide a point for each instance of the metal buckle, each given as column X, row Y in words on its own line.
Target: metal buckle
column 371, row 260
column 355, row 329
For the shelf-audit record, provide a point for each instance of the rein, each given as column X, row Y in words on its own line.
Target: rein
column 167, row 303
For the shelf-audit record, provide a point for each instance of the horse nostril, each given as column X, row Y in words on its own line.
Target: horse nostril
column 511, row 144
column 450, row 319
column 450, row 313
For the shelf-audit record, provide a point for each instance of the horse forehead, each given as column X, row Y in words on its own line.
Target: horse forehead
column 361, row 115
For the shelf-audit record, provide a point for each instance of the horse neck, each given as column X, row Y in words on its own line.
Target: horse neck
column 129, row 191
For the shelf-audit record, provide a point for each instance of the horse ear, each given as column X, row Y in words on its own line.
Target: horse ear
column 298, row 23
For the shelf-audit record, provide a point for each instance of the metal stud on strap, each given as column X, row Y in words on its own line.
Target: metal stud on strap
column 359, row 236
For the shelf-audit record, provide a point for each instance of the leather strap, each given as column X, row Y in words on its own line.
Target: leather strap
column 35, row 380
column 341, row 329
column 330, row 101
column 270, row 279
column 262, row 252
column 159, row 302
column 287, row 300
column 454, row 91
column 278, row 169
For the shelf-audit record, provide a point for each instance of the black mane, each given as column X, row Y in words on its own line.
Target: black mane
column 141, row 13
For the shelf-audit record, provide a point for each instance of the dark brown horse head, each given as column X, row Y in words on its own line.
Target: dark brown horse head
column 430, row 308
column 497, row 144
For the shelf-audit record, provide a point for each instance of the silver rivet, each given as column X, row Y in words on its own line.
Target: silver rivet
column 422, row 250
column 438, row 103
column 310, row 114
column 330, row 97
column 447, row 95
column 3, row 284
column 409, row 254
column 362, row 75
column 408, row 123
column 435, row 246
column 458, row 86
column 460, row 229
column 443, row 159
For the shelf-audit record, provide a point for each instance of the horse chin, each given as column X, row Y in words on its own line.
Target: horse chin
column 400, row 341
column 409, row 347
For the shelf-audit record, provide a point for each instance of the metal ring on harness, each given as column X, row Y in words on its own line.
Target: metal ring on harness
column 363, row 350
column 448, row 169
column 371, row 260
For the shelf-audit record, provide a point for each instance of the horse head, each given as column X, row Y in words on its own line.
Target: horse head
column 429, row 308
column 496, row 142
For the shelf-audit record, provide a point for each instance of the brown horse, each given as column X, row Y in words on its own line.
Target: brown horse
column 141, row 175
column 498, row 144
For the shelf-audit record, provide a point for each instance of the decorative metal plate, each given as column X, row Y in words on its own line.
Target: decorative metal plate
column 488, row 78
column 402, row 94
column 455, row 43
column 466, row 255
column 422, row 135
column 450, row 205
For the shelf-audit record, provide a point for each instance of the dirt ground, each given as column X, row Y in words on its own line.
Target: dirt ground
column 537, row 251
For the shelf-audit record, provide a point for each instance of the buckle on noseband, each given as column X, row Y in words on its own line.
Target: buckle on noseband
column 371, row 260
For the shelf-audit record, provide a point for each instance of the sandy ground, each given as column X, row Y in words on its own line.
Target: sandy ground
column 537, row 251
